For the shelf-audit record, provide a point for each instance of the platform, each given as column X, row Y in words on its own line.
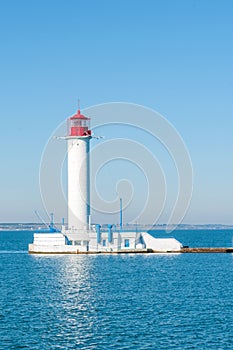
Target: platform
column 74, row 250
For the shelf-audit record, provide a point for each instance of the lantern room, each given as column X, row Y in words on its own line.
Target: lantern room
column 79, row 125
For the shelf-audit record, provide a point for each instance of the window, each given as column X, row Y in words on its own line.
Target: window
column 126, row 243
column 104, row 242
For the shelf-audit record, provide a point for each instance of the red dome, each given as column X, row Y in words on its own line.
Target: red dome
column 78, row 115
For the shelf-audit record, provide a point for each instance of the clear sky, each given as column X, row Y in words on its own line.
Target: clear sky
column 174, row 56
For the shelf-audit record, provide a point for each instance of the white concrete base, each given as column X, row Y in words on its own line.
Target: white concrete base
column 51, row 243
column 161, row 244
column 57, row 243
column 55, row 249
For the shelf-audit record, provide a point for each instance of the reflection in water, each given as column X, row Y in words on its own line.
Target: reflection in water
column 77, row 293
column 66, row 297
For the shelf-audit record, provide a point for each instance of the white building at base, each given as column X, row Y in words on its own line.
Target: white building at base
column 87, row 242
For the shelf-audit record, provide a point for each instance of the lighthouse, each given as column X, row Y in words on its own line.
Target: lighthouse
column 79, row 236
column 78, row 143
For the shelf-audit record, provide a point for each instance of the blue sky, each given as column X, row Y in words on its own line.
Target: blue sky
column 172, row 56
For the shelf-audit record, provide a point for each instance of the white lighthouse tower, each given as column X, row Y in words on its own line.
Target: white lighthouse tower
column 78, row 140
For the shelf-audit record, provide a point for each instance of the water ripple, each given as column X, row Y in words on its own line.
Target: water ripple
column 116, row 302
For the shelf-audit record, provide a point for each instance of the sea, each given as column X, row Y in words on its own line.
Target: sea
column 127, row 301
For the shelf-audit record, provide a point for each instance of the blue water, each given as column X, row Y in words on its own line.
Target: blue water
column 180, row 301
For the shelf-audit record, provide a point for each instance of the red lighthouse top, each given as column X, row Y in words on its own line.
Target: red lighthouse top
column 79, row 125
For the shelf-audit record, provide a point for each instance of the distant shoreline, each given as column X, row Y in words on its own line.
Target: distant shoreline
column 159, row 227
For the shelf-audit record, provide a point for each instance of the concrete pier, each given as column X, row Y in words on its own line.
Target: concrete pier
column 206, row 250
column 73, row 250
